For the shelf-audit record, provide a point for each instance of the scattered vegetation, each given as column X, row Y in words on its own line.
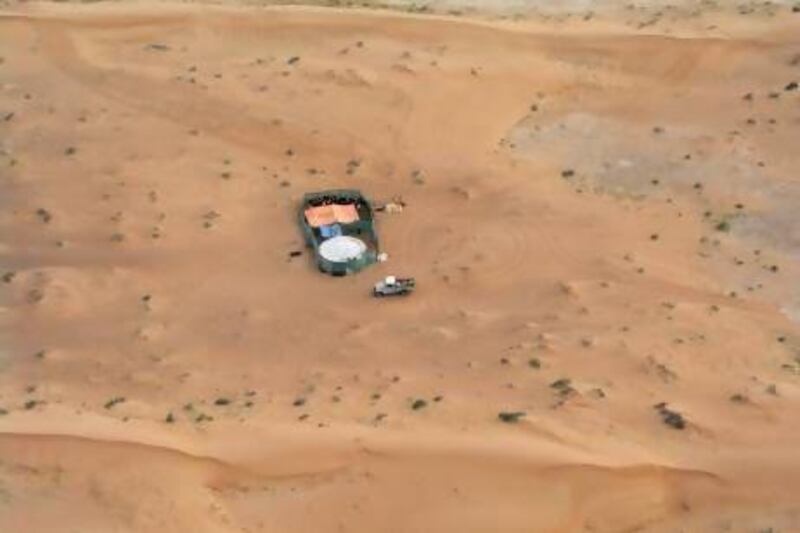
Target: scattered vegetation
column 209, row 218
column 114, row 401
column 44, row 215
column 418, row 404
column 739, row 398
column 511, row 417
column 35, row 296
column 598, row 393
column 664, row 373
column 672, row 418
column 563, row 386
column 352, row 166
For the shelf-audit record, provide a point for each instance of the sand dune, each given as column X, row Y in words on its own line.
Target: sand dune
column 601, row 216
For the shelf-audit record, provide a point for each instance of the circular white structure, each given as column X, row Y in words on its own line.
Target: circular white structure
column 342, row 249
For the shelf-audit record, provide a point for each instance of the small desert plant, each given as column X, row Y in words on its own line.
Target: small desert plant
column 739, row 398
column 44, row 215
column 670, row 417
column 562, row 385
column 113, row 401
column 418, row 404
column 510, row 417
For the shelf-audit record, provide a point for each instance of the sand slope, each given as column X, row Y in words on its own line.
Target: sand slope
column 602, row 216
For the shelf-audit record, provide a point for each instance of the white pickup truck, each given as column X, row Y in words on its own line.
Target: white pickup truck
column 394, row 286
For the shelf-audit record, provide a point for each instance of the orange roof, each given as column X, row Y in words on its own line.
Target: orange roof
column 325, row 215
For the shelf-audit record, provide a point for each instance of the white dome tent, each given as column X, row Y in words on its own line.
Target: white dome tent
column 342, row 249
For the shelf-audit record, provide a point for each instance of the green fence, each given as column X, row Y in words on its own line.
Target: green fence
column 363, row 229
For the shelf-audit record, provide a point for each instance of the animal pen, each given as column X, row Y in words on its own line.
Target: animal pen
column 339, row 226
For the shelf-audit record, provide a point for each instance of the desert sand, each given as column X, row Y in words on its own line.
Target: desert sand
column 603, row 218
